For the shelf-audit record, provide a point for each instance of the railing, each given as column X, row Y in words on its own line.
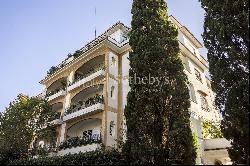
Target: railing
column 56, row 115
column 119, row 44
column 91, row 71
column 39, row 150
column 85, row 104
column 48, row 94
column 80, row 141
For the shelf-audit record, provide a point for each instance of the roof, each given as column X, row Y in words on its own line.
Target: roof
column 185, row 30
column 88, row 46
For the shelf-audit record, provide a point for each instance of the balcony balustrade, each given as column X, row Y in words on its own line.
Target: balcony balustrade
column 82, row 79
column 55, row 94
column 84, row 107
column 80, row 141
column 56, row 119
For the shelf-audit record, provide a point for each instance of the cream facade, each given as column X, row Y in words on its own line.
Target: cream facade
column 90, row 90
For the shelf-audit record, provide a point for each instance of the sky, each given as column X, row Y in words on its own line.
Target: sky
column 37, row 34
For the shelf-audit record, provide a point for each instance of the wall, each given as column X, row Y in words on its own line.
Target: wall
column 111, row 139
column 113, row 67
column 78, row 129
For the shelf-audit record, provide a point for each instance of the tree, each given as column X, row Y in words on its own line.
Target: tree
column 21, row 122
column 226, row 36
column 157, row 116
column 211, row 130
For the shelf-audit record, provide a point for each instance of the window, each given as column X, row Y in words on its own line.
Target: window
column 192, row 92
column 41, row 144
column 204, row 103
column 112, row 128
column 209, row 84
column 112, row 92
column 87, row 134
column 186, row 66
column 193, row 50
column 198, row 75
column 113, row 60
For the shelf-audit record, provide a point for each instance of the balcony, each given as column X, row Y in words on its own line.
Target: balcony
column 55, row 94
column 79, row 144
column 218, row 143
column 83, row 79
column 80, row 141
column 57, row 119
column 91, row 105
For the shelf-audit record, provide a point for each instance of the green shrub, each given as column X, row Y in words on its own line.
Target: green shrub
column 98, row 157
column 78, row 141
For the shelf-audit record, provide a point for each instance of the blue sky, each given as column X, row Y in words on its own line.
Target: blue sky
column 37, row 34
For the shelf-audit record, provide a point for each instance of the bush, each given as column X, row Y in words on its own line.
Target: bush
column 77, row 141
column 98, row 157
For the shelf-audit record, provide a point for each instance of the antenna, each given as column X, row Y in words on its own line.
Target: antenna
column 95, row 22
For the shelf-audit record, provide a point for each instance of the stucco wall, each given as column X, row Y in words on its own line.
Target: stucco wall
column 113, row 67
column 113, row 101
column 78, row 129
column 111, row 139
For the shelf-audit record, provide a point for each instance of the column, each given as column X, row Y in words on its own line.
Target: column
column 67, row 102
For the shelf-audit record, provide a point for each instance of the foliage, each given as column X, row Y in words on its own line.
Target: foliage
column 64, row 85
column 24, row 117
column 211, row 130
column 52, row 70
column 157, row 116
column 98, row 157
column 226, row 36
column 197, row 146
column 69, row 56
column 77, row 141
column 77, row 53
column 81, row 105
column 79, row 77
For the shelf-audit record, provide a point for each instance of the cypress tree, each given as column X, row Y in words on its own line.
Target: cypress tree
column 226, row 36
column 157, row 116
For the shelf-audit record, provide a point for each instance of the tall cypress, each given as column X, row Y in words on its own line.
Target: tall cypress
column 226, row 36
column 157, row 116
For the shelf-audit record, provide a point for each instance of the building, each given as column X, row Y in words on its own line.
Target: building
column 89, row 89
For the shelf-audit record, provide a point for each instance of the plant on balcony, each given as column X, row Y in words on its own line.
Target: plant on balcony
column 70, row 110
column 62, row 88
column 99, row 99
column 69, row 56
column 77, row 54
column 52, row 70
column 80, row 141
column 88, row 103
column 63, row 85
column 79, row 77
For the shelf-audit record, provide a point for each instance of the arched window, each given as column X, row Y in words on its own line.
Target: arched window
column 204, row 102
column 113, row 61
column 112, row 128
column 112, row 91
column 192, row 92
